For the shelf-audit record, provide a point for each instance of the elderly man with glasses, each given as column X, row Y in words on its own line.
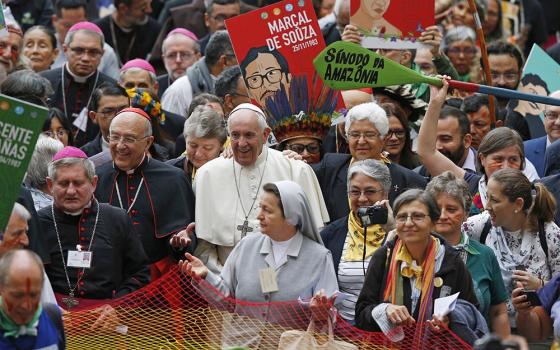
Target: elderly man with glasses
column 156, row 196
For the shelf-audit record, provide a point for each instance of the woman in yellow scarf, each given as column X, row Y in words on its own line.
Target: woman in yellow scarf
column 409, row 273
column 369, row 182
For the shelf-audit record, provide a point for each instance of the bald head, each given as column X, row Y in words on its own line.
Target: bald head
column 130, row 137
column 133, row 121
column 21, row 283
column 20, row 262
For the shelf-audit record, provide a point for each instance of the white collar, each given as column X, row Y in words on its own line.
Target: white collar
column 469, row 163
column 77, row 78
column 104, row 144
column 79, row 212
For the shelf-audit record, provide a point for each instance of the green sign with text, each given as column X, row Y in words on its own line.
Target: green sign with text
column 20, row 125
column 343, row 66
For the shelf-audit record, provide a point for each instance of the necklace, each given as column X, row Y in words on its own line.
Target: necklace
column 135, row 195
column 64, row 94
column 245, row 227
column 115, row 44
column 70, row 301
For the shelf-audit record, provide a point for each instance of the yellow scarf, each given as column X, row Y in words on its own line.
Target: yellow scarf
column 409, row 267
column 383, row 158
column 355, row 249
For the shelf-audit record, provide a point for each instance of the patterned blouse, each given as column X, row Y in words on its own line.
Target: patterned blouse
column 518, row 248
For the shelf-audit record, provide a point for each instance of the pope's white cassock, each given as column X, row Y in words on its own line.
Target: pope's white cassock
column 219, row 213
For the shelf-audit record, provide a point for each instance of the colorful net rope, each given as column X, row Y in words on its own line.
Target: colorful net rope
column 171, row 313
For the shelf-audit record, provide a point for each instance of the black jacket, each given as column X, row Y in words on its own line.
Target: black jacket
column 334, row 236
column 93, row 147
column 332, row 171
column 453, row 272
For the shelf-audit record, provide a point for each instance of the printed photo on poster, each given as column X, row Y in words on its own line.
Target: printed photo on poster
column 265, row 72
column 391, row 24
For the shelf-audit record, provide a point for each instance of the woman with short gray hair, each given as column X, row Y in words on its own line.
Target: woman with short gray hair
column 36, row 176
column 366, row 127
column 369, row 183
column 453, row 199
column 205, row 135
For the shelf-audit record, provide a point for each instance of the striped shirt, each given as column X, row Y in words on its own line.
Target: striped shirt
column 350, row 281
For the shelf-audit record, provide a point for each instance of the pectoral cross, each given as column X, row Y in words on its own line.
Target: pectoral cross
column 70, row 301
column 244, row 228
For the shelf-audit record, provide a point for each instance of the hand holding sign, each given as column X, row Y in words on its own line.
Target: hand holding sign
column 345, row 66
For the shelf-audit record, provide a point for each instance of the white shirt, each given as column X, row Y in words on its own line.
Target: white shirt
column 178, row 96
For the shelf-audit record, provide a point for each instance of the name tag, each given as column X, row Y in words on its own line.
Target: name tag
column 79, row 259
column 268, row 280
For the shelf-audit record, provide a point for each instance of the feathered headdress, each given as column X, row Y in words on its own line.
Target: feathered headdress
column 304, row 113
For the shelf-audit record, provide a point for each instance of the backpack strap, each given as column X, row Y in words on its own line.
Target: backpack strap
column 53, row 311
column 542, row 238
column 485, row 231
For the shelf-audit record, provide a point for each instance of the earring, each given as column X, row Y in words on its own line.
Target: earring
column 515, row 211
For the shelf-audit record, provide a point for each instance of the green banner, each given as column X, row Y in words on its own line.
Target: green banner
column 20, row 125
column 344, row 66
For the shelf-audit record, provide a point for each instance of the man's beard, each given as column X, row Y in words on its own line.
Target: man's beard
column 503, row 100
column 455, row 156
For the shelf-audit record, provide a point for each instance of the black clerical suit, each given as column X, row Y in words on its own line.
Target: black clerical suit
column 118, row 265
column 128, row 45
column 332, row 174
column 164, row 203
column 76, row 96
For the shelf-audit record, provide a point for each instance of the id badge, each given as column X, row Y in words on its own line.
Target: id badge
column 79, row 259
column 268, row 280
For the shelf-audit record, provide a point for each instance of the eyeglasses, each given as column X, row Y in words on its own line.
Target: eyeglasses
column 183, row 56
column 508, row 76
column 222, row 18
column 368, row 135
column 312, row 148
column 57, row 134
column 416, row 218
column 80, row 51
column 108, row 112
column 552, row 116
column 127, row 140
column 358, row 193
column 467, row 51
column 255, row 81
column 399, row 133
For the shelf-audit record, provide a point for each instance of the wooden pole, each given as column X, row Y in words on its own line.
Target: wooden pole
column 484, row 54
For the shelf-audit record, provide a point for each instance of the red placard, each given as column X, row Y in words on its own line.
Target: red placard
column 275, row 44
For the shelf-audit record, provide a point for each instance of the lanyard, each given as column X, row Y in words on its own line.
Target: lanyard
column 115, row 44
column 135, row 195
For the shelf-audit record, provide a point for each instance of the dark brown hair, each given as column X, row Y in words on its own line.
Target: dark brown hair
column 538, row 202
column 272, row 188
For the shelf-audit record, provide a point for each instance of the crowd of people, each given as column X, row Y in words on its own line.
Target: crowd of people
column 160, row 149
